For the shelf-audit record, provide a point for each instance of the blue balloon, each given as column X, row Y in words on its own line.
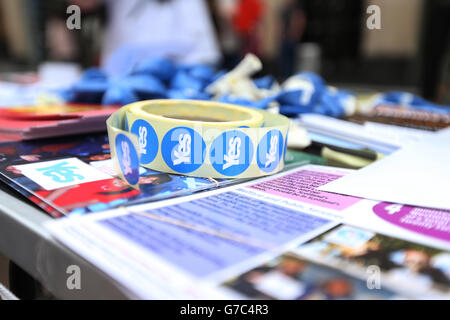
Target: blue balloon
column 187, row 94
column 144, row 86
column 89, row 91
column 93, row 73
column 201, row 72
column 119, row 95
column 162, row 68
column 183, row 80
column 265, row 82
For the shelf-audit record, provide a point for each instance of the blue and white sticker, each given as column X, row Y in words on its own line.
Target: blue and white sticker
column 128, row 158
column 183, row 149
column 231, row 153
column 148, row 140
column 61, row 173
column 270, row 150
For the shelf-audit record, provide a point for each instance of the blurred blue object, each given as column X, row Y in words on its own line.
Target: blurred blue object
column 187, row 94
column 300, row 97
column 119, row 95
column 311, row 77
column 157, row 78
column 145, row 86
column 398, row 98
column 184, row 80
column 237, row 101
column 265, row 82
column 162, row 68
column 204, row 73
column 333, row 102
column 93, row 73
column 89, row 91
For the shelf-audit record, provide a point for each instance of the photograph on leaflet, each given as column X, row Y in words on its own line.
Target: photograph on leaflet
column 412, row 268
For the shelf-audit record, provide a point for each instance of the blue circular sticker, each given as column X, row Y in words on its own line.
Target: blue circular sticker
column 231, row 153
column 183, row 149
column 270, row 150
column 148, row 140
column 128, row 158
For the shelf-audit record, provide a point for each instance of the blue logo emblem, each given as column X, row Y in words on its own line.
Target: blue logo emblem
column 61, row 172
column 148, row 140
column 183, row 149
column 231, row 153
column 128, row 158
column 270, row 150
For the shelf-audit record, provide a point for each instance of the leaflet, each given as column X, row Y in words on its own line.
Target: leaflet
column 427, row 226
column 185, row 247
column 75, row 175
column 241, row 242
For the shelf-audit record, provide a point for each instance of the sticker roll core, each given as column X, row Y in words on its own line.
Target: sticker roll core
column 196, row 138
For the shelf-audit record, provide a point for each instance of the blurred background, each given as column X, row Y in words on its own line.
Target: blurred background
column 410, row 52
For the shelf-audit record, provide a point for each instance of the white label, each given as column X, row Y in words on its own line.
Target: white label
column 60, row 173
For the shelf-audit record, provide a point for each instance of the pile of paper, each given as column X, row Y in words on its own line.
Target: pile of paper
column 274, row 238
column 33, row 122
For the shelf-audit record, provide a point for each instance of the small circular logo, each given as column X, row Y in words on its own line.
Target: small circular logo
column 128, row 158
column 183, row 149
column 231, row 153
column 148, row 140
column 270, row 150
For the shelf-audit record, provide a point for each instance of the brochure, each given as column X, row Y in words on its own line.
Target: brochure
column 75, row 175
column 186, row 247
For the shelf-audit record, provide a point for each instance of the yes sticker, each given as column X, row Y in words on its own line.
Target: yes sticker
column 270, row 150
column 183, row 149
column 61, row 173
column 148, row 140
column 231, row 153
column 128, row 159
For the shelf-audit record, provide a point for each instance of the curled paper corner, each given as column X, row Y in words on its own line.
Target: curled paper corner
column 297, row 137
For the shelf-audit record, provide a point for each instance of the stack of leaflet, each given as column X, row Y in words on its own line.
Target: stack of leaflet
column 84, row 179
column 42, row 121
column 279, row 237
column 375, row 136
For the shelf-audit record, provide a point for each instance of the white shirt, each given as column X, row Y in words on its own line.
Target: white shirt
column 180, row 29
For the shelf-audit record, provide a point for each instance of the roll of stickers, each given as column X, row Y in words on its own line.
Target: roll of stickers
column 196, row 138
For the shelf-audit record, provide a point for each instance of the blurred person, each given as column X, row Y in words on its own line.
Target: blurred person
column 178, row 29
column 247, row 282
column 371, row 253
column 292, row 267
column 293, row 24
column 418, row 261
column 228, row 38
column 337, row 289
column 247, row 18
column 100, row 157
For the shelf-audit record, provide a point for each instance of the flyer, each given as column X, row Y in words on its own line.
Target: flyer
column 75, row 175
column 300, row 190
column 185, row 247
column 426, row 226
